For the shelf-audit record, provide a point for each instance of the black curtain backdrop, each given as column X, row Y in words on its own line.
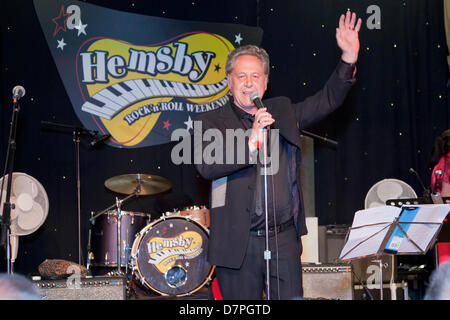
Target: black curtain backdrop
column 386, row 126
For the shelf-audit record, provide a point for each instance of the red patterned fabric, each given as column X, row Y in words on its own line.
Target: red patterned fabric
column 444, row 166
column 215, row 290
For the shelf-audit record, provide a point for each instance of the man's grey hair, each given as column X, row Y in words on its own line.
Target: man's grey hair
column 439, row 286
column 251, row 50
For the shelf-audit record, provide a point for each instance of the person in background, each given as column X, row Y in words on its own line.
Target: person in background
column 440, row 162
column 439, row 287
column 17, row 287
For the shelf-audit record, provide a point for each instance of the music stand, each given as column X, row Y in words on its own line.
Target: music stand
column 444, row 234
column 425, row 200
column 410, row 229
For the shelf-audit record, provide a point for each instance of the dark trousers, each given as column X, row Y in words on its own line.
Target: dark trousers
column 248, row 282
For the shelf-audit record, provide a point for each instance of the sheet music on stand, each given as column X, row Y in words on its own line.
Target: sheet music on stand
column 410, row 229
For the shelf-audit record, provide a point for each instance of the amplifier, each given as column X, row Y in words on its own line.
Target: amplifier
column 367, row 270
column 331, row 242
column 327, row 281
column 83, row 288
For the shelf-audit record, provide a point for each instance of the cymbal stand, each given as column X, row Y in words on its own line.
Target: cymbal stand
column 119, row 229
column 96, row 215
column 119, row 235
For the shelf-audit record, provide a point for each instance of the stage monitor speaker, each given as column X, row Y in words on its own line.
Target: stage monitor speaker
column 327, row 281
column 84, row 288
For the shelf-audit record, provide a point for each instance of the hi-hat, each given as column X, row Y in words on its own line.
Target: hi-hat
column 142, row 184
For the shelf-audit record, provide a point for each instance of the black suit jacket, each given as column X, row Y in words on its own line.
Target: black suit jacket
column 231, row 194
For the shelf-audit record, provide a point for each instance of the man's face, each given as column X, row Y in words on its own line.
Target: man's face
column 247, row 77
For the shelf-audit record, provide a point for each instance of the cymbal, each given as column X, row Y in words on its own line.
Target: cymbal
column 129, row 183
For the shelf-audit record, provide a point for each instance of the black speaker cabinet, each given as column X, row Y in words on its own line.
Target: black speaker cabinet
column 367, row 271
column 81, row 288
column 327, row 281
column 394, row 291
column 331, row 242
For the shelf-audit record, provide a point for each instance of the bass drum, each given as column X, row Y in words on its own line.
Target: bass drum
column 169, row 256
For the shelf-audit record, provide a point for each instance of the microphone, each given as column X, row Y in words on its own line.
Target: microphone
column 426, row 192
column 436, row 173
column 18, row 92
column 254, row 97
column 100, row 139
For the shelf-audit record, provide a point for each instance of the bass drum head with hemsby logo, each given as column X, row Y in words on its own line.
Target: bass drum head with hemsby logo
column 169, row 256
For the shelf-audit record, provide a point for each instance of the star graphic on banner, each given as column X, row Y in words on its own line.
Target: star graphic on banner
column 189, row 124
column 167, row 124
column 81, row 28
column 60, row 21
column 217, row 67
column 61, row 44
column 238, row 38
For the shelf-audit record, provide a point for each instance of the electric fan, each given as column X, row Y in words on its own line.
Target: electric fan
column 29, row 207
column 387, row 189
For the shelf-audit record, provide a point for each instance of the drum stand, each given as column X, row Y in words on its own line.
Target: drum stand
column 118, row 206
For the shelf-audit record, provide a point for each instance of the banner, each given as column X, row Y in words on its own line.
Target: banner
column 138, row 77
column 447, row 26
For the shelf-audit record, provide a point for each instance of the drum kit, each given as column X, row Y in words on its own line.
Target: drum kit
column 166, row 256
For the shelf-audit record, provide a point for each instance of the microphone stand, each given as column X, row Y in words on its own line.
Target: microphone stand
column 266, row 150
column 317, row 137
column 267, row 252
column 436, row 196
column 426, row 192
column 76, row 133
column 7, row 206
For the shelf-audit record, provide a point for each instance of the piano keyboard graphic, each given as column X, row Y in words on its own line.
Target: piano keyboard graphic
column 111, row 100
column 160, row 256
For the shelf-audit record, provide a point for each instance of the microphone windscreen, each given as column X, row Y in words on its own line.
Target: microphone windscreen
column 18, row 92
column 253, row 96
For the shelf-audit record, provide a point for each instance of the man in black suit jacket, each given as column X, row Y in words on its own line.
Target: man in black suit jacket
column 238, row 219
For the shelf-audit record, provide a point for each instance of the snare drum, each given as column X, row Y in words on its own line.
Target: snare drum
column 169, row 256
column 103, row 238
